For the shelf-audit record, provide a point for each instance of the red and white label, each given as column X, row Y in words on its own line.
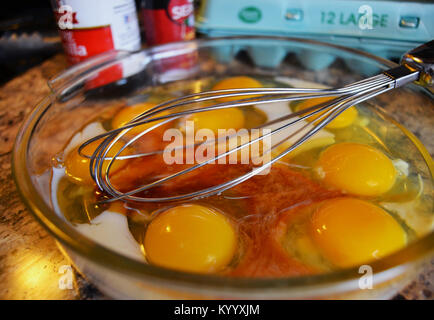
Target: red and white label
column 180, row 10
column 91, row 27
column 88, row 28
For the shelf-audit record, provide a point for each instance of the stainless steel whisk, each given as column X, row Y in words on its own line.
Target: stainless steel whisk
column 416, row 65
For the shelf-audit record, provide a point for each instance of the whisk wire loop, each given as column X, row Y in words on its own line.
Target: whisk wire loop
column 283, row 127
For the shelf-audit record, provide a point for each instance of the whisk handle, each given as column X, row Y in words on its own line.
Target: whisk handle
column 421, row 59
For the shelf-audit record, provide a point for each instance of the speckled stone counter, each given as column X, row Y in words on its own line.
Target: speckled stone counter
column 31, row 265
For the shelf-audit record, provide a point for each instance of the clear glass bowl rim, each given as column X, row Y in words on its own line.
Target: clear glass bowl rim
column 384, row 268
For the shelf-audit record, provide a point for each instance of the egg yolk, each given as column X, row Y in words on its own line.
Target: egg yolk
column 351, row 232
column 239, row 82
column 343, row 120
column 356, row 168
column 231, row 118
column 77, row 167
column 129, row 113
column 190, row 238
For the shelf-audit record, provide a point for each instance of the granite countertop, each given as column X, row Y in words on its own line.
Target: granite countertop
column 31, row 264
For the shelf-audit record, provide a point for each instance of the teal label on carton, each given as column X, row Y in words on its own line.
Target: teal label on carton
column 250, row 15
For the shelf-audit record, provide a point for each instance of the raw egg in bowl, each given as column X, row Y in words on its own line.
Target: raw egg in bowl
column 359, row 193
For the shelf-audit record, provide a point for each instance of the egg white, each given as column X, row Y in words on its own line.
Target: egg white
column 109, row 229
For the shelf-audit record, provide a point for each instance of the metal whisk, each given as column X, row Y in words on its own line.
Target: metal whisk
column 416, row 65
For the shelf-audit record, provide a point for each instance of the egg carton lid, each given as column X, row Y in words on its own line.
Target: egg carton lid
column 362, row 24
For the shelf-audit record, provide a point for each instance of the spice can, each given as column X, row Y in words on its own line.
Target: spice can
column 168, row 20
column 88, row 27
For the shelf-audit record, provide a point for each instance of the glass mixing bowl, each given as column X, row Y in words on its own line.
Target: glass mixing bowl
column 83, row 91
